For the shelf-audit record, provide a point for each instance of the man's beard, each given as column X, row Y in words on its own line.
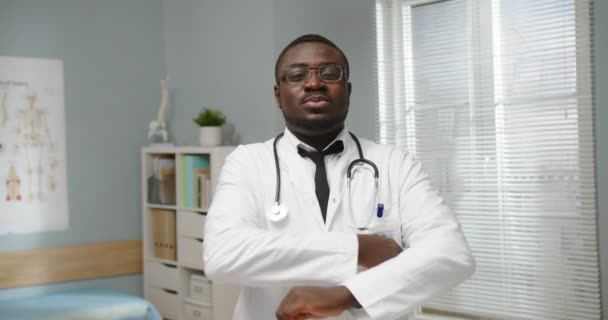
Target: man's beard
column 317, row 126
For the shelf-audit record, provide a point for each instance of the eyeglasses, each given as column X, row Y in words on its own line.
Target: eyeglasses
column 326, row 72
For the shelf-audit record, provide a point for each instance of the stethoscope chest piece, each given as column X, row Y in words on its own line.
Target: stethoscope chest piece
column 277, row 213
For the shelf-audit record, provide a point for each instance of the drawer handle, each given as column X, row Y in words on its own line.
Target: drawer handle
column 169, row 265
column 170, row 291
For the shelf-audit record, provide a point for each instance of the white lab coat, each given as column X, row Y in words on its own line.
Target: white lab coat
column 267, row 258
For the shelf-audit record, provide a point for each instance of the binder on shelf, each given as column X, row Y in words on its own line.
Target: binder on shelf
column 164, row 234
column 157, row 234
column 169, row 234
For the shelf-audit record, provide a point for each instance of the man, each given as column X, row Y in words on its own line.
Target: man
column 287, row 227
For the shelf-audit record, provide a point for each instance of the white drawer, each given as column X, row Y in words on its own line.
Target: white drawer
column 166, row 302
column 195, row 312
column 161, row 275
column 191, row 224
column 200, row 290
column 190, row 252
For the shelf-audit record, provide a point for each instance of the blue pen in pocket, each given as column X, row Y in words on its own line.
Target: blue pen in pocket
column 380, row 210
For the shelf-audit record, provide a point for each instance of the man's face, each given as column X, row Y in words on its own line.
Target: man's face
column 313, row 107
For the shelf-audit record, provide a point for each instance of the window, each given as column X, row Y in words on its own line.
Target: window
column 495, row 98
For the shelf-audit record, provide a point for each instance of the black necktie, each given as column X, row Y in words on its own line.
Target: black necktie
column 321, row 185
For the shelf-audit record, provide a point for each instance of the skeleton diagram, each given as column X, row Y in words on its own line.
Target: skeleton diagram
column 34, row 139
column 13, row 184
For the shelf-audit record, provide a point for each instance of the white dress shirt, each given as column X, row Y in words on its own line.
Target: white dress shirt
column 242, row 246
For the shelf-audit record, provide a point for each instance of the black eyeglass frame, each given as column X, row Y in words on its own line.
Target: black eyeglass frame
column 309, row 73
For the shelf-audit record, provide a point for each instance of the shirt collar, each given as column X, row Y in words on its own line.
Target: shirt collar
column 294, row 142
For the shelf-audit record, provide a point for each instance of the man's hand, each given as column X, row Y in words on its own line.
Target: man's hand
column 373, row 250
column 315, row 303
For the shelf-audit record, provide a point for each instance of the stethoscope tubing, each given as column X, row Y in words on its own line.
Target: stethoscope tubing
column 361, row 160
column 277, row 193
column 349, row 172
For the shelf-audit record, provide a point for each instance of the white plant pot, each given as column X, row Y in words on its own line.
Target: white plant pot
column 210, row 136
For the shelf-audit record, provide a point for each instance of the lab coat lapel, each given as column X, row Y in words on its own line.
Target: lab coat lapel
column 339, row 188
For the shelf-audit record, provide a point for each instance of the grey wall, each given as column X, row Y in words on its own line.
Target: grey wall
column 113, row 62
column 600, row 55
column 221, row 54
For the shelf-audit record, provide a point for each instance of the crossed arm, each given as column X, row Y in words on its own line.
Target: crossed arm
column 315, row 302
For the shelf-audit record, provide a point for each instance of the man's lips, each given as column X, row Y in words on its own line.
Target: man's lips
column 316, row 101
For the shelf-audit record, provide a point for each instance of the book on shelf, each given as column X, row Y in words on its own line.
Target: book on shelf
column 167, row 189
column 184, row 180
column 161, row 184
column 202, row 181
column 196, row 172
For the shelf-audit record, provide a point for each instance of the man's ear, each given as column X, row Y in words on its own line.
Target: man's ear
column 349, row 88
column 277, row 95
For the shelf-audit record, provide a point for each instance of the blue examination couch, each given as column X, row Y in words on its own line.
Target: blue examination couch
column 81, row 304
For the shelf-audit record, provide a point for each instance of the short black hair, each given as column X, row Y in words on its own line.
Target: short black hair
column 303, row 39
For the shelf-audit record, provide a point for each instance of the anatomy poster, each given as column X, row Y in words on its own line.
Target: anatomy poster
column 33, row 182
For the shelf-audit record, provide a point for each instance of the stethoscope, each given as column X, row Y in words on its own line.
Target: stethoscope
column 279, row 210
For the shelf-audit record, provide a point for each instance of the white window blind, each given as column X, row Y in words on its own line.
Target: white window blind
column 495, row 98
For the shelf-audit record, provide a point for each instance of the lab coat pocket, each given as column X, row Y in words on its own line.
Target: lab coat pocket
column 387, row 223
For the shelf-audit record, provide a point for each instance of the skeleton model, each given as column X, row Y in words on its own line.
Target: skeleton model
column 156, row 128
column 34, row 138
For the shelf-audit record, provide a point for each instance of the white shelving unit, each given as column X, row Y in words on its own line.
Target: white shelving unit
column 178, row 287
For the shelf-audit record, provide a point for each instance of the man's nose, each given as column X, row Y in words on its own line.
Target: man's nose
column 314, row 81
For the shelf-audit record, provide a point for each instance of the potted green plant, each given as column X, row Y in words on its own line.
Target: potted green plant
column 210, row 122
